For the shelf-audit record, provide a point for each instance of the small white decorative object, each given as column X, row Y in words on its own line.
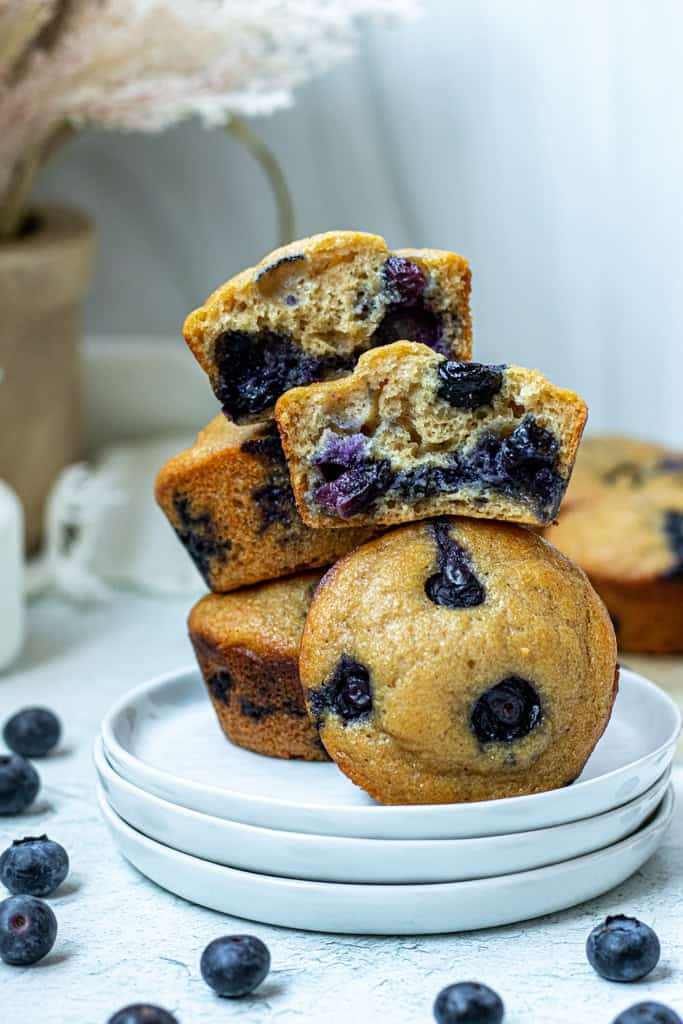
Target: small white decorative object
column 11, row 576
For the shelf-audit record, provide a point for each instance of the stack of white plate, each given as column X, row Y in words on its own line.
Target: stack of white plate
column 296, row 844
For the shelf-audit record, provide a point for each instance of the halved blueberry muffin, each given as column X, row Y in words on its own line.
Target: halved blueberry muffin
column 247, row 646
column 622, row 521
column 308, row 310
column 412, row 434
column 229, row 499
column 456, row 660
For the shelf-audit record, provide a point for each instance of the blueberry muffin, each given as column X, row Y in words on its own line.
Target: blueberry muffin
column 618, row 463
column 622, row 521
column 456, row 660
column 412, row 434
column 231, row 504
column 308, row 310
column 247, row 646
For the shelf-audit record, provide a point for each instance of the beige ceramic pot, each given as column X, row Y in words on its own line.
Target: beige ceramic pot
column 43, row 277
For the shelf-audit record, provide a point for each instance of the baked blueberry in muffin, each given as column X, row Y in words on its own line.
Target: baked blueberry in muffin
column 307, row 311
column 230, row 501
column 247, row 646
column 622, row 521
column 457, row 659
column 412, row 434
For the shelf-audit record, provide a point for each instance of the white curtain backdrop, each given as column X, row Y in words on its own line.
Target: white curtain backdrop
column 541, row 139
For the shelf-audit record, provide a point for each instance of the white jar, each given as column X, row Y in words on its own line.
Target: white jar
column 12, row 620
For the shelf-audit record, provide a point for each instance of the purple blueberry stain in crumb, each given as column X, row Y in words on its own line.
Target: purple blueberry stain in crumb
column 291, row 300
column 268, row 445
column 506, row 712
column 220, row 684
column 429, row 479
column 404, row 281
column 352, row 480
column 410, row 324
column 255, row 368
column 407, row 314
column 339, row 454
column 347, row 693
column 522, row 464
column 196, row 531
column 673, row 531
column 468, row 385
column 454, row 585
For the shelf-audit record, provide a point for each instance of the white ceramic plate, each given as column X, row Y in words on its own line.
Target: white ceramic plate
column 389, row 909
column 379, row 861
column 164, row 738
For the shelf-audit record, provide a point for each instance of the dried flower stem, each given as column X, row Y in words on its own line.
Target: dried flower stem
column 14, row 204
column 241, row 131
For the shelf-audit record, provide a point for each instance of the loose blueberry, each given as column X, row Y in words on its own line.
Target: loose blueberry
column 404, row 281
column 348, row 692
column 142, row 1013
column 622, row 949
column 455, row 585
column 32, row 732
column 469, row 385
column 19, row 784
column 673, row 530
column 34, row 866
column 648, row 1013
column 506, row 712
column 468, row 1002
column 28, row 929
column 235, row 965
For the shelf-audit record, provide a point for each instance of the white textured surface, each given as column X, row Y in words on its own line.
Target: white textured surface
column 122, row 939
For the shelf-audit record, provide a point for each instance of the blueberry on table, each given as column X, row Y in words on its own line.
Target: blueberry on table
column 142, row 1013
column 235, row 965
column 28, row 929
column 34, row 866
column 32, row 732
column 19, row 784
column 468, row 1002
column 648, row 1013
column 622, row 949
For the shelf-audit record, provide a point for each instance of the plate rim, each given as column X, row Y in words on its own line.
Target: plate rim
column 363, row 842
column 660, row 820
column 117, row 751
